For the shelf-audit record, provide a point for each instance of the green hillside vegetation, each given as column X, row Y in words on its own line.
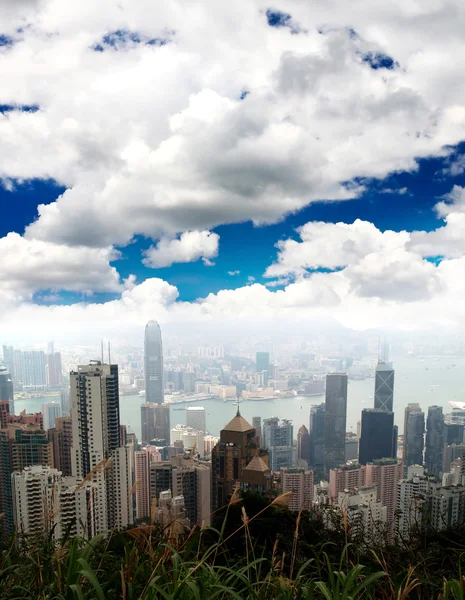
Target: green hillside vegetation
column 255, row 549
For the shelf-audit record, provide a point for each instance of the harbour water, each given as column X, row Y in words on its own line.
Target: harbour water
column 428, row 381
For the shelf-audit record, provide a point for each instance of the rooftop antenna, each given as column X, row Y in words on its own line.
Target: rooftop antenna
column 101, row 344
column 109, row 357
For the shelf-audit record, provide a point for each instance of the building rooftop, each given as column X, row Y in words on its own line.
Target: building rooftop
column 257, row 464
column 238, row 424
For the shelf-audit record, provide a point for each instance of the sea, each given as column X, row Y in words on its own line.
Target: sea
column 429, row 380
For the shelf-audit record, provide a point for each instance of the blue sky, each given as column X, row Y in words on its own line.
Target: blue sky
column 232, row 162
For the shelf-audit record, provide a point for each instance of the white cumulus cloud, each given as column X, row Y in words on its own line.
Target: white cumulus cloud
column 191, row 246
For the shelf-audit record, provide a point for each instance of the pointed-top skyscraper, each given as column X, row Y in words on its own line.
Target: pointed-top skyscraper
column 153, row 364
column 384, row 387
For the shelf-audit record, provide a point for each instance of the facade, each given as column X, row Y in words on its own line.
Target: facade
column 190, row 438
column 347, row 477
column 153, row 364
column 162, row 421
column 61, row 437
column 450, row 454
column 434, row 446
column 262, row 360
column 6, row 389
column 447, row 507
column 53, row 369
column 196, row 417
column 300, row 483
column 278, row 440
column 385, row 473
column 414, row 433
column 257, row 424
column 377, row 435
column 335, row 420
column 384, row 387
column 317, row 436
column 412, row 504
column 237, row 447
column 147, row 422
column 143, row 459
column 188, row 382
column 21, row 446
column 33, row 368
column 366, row 515
column 303, row 444
column 50, row 411
column 119, row 486
column 95, row 415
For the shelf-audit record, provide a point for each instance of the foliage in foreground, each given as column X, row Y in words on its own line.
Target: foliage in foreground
column 254, row 550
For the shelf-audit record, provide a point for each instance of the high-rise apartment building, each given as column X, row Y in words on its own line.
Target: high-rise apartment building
column 153, row 364
column 33, row 368
column 377, row 435
column 452, row 452
column 347, row 477
column 262, row 360
column 303, row 444
column 147, row 422
column 335, row 420
column 51, row 411
column 414, row 433
column 97, row 448
column 278, row 440
column 300, row 483
column 188, row 382
column 53, row 369
column 196, row 417
column 61, row 437
column 384, row 387
column 317, row 436
column 385, row 473
column 434, row 446
column 95, row 415
column 257, row 424
column 20, row 446
column 233, row 453
column 366, row 516
column 45, row 502
column 9, row 359
column 6, row 389
column 143, row 459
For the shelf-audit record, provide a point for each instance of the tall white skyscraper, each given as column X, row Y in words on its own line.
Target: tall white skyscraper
column 96, row 446
column 153, row 363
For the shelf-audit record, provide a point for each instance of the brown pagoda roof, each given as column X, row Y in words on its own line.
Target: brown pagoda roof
column 257, row 464
column 238, row 424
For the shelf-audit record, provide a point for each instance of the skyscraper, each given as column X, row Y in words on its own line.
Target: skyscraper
column 303, row 444
column 33, row 368
column 9, row 359
column 95, row 415
column 384, row 387
column 235, row 450
column 20, row 446
column 6, row 388
column 147, row 422
column 434, row 440
column 317, row 436
column 61, row 437
column 300, row 482
column 262, row 360
column 335, row 420
column 162, row 422
column 414, row 431
column 377, row 437
column 97, row 439
column 196, row 418
column 53, row 369
column 278, row 437
column 153, row 364
column 50, row 411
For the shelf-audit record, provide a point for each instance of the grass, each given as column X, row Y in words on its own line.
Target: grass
column 236, row 558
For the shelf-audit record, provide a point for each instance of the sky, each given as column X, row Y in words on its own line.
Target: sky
column 249, row 162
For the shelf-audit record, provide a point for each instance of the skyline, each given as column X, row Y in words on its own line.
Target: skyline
column 312, row 171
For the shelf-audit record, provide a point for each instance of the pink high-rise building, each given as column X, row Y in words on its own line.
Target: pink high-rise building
column 348, row 477
column 144, row 458
column 385, row 473
column 300, row 482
